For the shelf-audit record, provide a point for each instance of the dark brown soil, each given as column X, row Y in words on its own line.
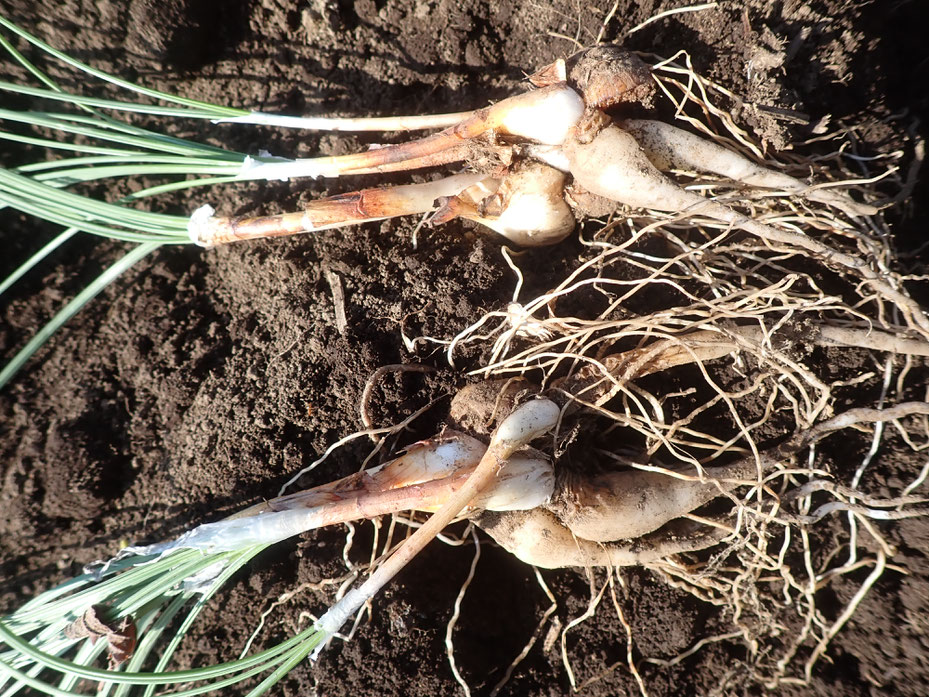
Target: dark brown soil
column 203, row 380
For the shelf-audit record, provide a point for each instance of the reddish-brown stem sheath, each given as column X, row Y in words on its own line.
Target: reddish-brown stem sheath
column 336, row 211
column 455, row 152
column 527, row 422
column 525, row 115
column 330, row 507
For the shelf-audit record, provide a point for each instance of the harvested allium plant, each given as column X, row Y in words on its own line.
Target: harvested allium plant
column 718, row 488
column 746, row 425
column 678, row 430
column 528, row 166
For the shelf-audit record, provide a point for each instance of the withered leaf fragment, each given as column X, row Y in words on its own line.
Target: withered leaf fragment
column 120, row 635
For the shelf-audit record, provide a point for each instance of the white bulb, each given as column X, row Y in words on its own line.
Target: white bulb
column 523, row 483
column 545, row 116
column 529, row 421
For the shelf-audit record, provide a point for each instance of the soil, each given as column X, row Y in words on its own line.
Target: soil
column 202, row 380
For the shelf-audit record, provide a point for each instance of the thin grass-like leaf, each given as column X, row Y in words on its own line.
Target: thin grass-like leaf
column 61, row 214
column 59, row 145
column 51, row 203
column 128, row 159
column 179, row 186
column 149, row 590
column 197, row 109
column 160, row 581
column 100, row 103
column 206, row 109
column 36, row 259
column 109, row 131
column 27, row 64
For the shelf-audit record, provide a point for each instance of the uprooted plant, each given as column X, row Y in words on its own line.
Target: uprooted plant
column 756, row 322
column 643, row 474
column 679, row 491
column 715, row 483
column 534, row 164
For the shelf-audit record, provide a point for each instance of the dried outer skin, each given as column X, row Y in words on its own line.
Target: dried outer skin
column 529, row 208
column 607, row 75
column 477, row 407
column 624, row 505
column 120, row 635
column 537, row 537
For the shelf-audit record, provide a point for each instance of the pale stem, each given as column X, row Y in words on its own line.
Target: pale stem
column 527, row 422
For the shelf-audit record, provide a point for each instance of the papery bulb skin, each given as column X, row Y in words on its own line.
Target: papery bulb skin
column 607, row 75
